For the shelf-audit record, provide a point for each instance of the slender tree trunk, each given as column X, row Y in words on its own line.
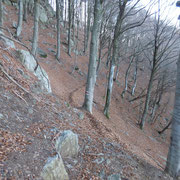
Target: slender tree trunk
column 126, row 77
column 73, row 21
column 116, row 73
column 62, row 9
column 88, row 25
column 20, row 18
column 25, row 10
column 36, row 26
column 114, row 56
column 91, row 79
column 99, row 61
column 134, row 78
column 146, row 106
column 173, row 159
column 85, row 27
column 69, row 30
column 58, row 53
column 109, row 89
column 1, row 13
column 109, row 52
column 65, row 14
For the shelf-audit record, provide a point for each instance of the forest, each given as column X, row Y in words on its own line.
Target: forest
column 115, row 63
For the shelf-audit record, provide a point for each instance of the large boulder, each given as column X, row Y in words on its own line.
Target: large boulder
column 50, row 11
column 54, row 169
column 67, row 144
column 8, row 43
column 43, row 14
column 30, row 63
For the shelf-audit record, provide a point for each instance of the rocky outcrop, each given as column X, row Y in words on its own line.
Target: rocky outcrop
column 8, row 43
column 43, row 14
column 54, row 169
column 67, row 144
column 30, row 63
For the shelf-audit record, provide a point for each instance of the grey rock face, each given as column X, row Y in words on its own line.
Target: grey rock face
column 30, row 63
column 54, row 169
column 42, row 14
column 8, row 43
column 67, row 144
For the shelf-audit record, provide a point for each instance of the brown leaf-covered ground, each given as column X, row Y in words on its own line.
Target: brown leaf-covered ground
column 30, row 122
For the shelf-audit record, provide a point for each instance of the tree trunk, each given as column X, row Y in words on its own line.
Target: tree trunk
column 88, row 25
column 69, row 30
column 58, row 53
column 85, row 27
column 173, row 159
column 25, row 10
column 116, row 73
column 134, row 78
column 99, row 61
column 36, row 26
column 146, row 106
column 20, row 18
column 126, row 78
column 91, row 79
column 62, row 9
column 65, row 18
column 109, row 89
column 1, row 13
column 114, row 56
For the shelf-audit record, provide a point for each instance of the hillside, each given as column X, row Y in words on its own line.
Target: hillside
column 31, row 121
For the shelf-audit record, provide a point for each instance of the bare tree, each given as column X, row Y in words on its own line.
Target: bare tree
column 36, row 27
column 25, row 10
column 69, row 29
column 119, row 30
column 91, row 78
column 162, row 42
column 20, row 18
column 58, row 53
column 173, row 159
column 1, row 13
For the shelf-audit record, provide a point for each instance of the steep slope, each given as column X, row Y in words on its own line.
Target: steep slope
column 30, row 122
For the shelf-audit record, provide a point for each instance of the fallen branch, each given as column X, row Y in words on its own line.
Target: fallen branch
column 10, row 78
column 20, row 97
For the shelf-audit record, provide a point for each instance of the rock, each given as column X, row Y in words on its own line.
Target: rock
column 42, row 14
column 41, row 53
column 67, row 144
column 8, row 43
column 14, row 24
column 99, row 160
column 102, row 174
column 30, row 63
column 114, row 177
column 54, row 169
column 52, row 51
column 50, row 11
column 30, row 111
column 1, row 116
column 81, row 115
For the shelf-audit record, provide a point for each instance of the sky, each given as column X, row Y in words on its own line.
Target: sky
column 168, row 10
